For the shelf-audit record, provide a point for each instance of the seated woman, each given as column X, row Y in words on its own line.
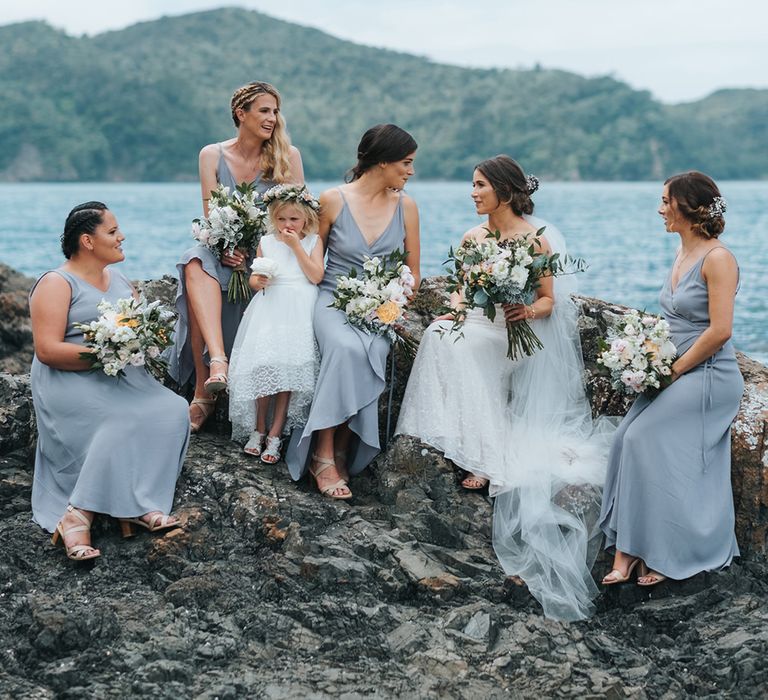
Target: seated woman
column 261, row 155
column 521, row 427
column 370, row 216
column 667, row 502
column 105, row 444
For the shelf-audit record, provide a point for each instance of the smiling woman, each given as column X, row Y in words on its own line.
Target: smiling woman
column 369, row 216
column 261, row 155
column 83, row 415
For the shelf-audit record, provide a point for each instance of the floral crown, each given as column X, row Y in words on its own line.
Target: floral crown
column 717, row 208
column 298, row 194
column 531, row 184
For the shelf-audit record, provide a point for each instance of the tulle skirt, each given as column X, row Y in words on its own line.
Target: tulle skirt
column 526, row 426
column 274, row 351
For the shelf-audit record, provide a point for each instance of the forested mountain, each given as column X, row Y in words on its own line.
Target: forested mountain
column 137, row 104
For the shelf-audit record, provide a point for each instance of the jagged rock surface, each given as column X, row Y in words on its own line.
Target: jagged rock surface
column 272, row 591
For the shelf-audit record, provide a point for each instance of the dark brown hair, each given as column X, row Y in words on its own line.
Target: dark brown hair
column 84, row 218
column 694, row 193
column 509, row 183
column 383, row 143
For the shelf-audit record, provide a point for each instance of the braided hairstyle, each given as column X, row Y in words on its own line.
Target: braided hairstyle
column 509, row 183
column 84, row 218
column 274, row 151
column 694, row 193
column 383, row 143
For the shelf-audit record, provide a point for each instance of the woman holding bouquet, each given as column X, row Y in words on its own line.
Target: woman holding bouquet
column 521, row 426
column 370, row 216
column 667, row 504
column 260, row 154
column 112, row 445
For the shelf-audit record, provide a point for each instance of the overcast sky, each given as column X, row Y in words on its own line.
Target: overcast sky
column 680, row 50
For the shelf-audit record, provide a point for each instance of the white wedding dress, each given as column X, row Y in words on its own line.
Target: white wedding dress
column 526, row 426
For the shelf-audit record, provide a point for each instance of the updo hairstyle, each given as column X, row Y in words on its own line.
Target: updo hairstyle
column 383, row 143
column 509, row 183
column 695, row 193
column 84, row 218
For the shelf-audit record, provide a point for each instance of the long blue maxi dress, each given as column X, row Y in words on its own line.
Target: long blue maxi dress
column 667, row 496
column 112, row 445
column 181, row 367
column 352, row 362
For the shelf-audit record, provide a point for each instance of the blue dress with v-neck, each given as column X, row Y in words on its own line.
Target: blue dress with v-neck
column 107, row 444
column 181, row 366
column 353, row 362
column 667, row 497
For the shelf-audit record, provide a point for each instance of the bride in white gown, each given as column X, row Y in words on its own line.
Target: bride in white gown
column 522, row 426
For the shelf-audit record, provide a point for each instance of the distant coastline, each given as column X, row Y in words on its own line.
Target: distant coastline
column 136, row 105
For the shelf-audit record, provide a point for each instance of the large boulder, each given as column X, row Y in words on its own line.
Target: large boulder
column 272, row 591
column 15, row 329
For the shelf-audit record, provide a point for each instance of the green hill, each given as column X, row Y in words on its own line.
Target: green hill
column 138, row 104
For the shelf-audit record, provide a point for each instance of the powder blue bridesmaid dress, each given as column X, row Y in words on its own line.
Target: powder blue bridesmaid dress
column 353, row 362
column 667, row 496
column 107, row 444
column 181, row 367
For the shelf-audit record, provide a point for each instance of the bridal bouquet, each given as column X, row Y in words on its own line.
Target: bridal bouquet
column 638, row 353
column 490, row 271
column 374, row 301
column 128, row 333
column 235, row 220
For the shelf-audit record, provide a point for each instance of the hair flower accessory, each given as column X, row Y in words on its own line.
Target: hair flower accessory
column 531, row 184
column 717, row 208
column 290, row 193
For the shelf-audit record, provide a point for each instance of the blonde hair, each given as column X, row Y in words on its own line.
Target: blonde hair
column 275, row 150
column 311, row 218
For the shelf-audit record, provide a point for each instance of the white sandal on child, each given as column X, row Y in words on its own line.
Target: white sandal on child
column 255, row 444
column 271, row 453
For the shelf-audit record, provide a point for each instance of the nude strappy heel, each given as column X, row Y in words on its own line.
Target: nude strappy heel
column 206, row 407
column 336, row 486
column 218, row 381
column 615, row 576
column 157, row 521
column 77, row 552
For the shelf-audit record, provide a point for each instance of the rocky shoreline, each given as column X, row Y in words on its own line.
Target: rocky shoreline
column 272, row 591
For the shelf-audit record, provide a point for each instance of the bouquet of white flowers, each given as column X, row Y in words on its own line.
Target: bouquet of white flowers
column 128, row 333
column 264, row 266
column 375, row 300
column 638, row 354
column 490, row 271
column 235, row 220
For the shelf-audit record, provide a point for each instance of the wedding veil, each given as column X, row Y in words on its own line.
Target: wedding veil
column 545, row 512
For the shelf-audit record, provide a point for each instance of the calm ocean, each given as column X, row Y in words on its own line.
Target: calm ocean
column 613, row 225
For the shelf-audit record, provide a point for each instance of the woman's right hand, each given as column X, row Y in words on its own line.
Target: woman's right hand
column 235, row 260
column 443, row 317
column 258, row 282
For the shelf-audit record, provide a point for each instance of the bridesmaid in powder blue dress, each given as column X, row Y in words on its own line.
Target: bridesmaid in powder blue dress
column 260, row 154
column 112, row 445
column 370, row 216
column 667, row 502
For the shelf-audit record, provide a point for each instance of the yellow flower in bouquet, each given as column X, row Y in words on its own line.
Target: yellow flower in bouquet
column 388, row 312
column 129, row 322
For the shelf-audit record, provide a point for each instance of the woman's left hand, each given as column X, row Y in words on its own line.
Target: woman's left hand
column 513, row 313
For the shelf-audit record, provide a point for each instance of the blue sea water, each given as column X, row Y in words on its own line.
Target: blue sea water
column 614, row 226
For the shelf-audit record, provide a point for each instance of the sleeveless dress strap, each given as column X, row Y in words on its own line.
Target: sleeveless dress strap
column 341, row 192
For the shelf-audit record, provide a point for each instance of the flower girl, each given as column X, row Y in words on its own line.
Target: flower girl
column 274, row 358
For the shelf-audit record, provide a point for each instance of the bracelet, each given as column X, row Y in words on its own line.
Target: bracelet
column 533, row 312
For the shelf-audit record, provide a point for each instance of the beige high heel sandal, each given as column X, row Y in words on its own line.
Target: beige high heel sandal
column 157, row 521
column 336, row 486
column 617, row 576
column 77, row 552
column 206, row 407
column 218, row 381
